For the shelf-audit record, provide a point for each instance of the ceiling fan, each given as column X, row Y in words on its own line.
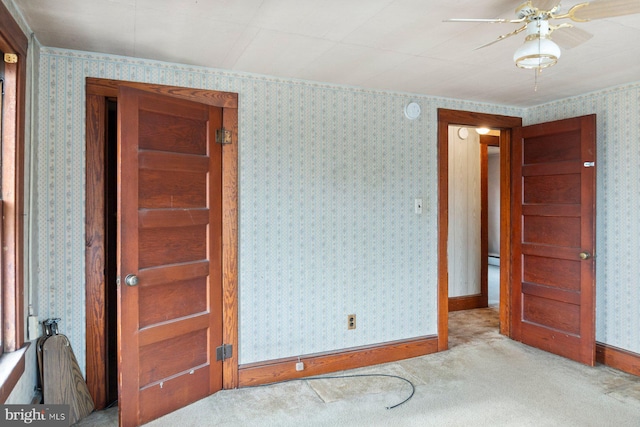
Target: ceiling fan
column 536, row 17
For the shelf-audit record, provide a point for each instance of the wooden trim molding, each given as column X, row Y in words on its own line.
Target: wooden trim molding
column 230, row 246
column 95, row 322
column 13, row 40
column 505, row 124
column 505, row 229
column 322, row 363
column 467, row 302
column 97, row 91
column 109, row 88
column 618, row 358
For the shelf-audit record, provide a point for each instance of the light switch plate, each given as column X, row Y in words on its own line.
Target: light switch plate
column 418, row 206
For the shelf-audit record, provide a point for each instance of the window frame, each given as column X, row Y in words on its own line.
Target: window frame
column 12, row 41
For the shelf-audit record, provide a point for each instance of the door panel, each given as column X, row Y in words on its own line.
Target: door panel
column 551, row 272
column 170, row 237
column 553, row 216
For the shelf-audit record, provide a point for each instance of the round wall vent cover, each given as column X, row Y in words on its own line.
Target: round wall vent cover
column 412, row 110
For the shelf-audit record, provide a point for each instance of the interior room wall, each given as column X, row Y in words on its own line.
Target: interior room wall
column 302, row 145
column 303, row 267
column 339, row 119
column 617, row 205
column 464, row 213
column 328, row 178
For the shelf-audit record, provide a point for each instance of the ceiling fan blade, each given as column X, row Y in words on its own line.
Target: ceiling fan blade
column 490, row 21
column 544, row 4
column 502, row 37
column 570, row 37
column 603, row 9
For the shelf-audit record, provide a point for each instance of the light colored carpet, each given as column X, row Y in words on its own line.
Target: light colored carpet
column 485, row 379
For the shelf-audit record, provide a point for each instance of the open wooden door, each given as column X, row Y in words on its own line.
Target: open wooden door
column 553, row 248
column 169, row 254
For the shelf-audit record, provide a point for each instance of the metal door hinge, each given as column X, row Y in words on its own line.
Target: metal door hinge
column 223, row 136
column 10, row 58
column 589, row 164
column 225, row 351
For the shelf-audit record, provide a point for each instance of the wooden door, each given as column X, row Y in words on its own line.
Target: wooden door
column 170, row 239
column 553, row 217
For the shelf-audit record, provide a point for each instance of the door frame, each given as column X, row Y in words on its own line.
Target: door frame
column 97, row 91
column 505, row 124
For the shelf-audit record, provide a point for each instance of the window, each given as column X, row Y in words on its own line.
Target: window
column 13, row 46
column 1, row 199
column 12, row 323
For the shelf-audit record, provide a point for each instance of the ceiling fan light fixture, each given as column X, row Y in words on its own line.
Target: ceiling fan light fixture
column 538, row 52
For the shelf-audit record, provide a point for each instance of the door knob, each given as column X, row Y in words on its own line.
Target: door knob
column 131, row 280
column 585, row 255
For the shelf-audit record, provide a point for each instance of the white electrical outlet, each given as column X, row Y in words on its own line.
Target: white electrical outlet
column 351, row 321
column 300, row 366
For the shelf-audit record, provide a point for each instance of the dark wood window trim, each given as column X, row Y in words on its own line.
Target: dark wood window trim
column 12, row 41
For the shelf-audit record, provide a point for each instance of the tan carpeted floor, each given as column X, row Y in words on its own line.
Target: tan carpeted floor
column 484, row 379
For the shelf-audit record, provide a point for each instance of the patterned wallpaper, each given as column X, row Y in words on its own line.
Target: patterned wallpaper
column 617, row 206
column 328, row 178
column 328, row 175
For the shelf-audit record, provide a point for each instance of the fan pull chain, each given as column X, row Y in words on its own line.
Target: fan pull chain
column 537, row 70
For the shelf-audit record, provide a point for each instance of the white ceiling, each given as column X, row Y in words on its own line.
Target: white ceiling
column 399, row 45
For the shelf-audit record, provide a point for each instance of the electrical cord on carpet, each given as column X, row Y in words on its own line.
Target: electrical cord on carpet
column 413, row 387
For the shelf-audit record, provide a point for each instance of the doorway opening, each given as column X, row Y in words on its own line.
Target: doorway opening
column 474, row 218
column 474, row 232
column 101, row 224
column 505, row 124
column 111, row 240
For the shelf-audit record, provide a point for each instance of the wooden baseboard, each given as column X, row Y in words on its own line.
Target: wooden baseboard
column 618, row 358
column 322, row 363
column 468, row 302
